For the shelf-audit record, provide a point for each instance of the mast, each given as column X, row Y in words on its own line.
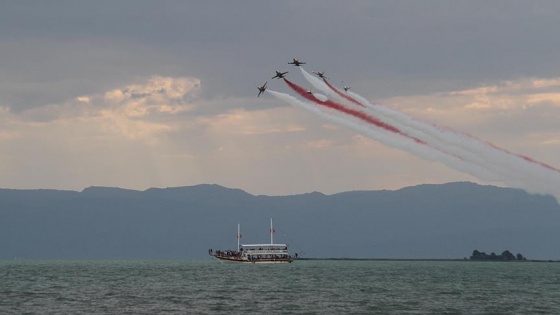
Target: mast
column 238, row 235
column 271, row 232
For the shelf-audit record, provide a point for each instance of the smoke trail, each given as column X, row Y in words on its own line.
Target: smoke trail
column 512, row 169
column 310, row 97
column 473, row 169
column 397, row 119
column 378, row 134
column 429, row 133
column 516, row 170
column 339, row 93
column 385, row 136
column 403, row 125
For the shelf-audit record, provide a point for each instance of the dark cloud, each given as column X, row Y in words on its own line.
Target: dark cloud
column 66, row 47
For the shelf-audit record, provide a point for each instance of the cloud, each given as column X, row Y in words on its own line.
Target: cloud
column 135, row 111
column 552, row 99
column 155, row 132
column 158, row 95
column 505, row 98
column 111, row 138
column 264, row 122
column 520, row 115
column 7, row 132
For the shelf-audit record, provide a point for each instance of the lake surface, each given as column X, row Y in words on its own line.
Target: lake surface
column 303, row 287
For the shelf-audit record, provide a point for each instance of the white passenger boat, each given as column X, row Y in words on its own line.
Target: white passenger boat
column 273, row 253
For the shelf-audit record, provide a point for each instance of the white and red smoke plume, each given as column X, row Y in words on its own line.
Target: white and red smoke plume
column 457, row 150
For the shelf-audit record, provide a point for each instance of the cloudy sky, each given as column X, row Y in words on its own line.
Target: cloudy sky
column 139, row 94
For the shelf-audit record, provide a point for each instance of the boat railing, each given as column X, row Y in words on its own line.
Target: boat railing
column 226, row 253
column 265, row 251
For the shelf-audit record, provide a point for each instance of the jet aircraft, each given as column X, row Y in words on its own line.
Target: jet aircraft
column 296, row 62
column 321, row 74
column 262, row 89
column 279, row 75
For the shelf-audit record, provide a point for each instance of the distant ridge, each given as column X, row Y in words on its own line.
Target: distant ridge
column 199, row 191
column 443, row 221
column 108, row 192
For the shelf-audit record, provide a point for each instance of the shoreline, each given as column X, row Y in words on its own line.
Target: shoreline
column 429, row 259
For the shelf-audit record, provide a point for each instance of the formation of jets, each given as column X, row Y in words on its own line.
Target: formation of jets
column 297, row 63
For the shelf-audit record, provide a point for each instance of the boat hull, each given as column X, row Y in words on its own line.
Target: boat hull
column 244, row 260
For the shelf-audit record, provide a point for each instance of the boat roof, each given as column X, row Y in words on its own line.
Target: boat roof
column 264, row 245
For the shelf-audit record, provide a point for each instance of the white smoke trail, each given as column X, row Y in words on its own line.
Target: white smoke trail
column 385, row 137
column 501, row 166
column 317, row 83
column 401, row 121
column 514, row 170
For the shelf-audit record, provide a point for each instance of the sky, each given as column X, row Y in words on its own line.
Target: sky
column 140, row 94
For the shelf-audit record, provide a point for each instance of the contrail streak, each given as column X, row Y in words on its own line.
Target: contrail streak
column 387, row 137
column 310, row 97
column 430, row 133
column 479, row 158
column 397, row 119
column 339, row 93
column 514, row 168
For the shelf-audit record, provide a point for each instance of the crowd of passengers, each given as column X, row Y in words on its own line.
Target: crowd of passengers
column 232, row 253
column 226, row 253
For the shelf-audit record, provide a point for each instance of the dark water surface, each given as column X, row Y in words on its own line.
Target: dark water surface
column 303, row 287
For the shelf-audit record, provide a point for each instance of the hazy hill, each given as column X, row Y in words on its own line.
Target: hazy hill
column 426, row 221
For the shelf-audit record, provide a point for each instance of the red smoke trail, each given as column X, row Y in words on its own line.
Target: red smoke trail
column 482, row 158
column 526, row 158
column 347, row 97
column 310, row 97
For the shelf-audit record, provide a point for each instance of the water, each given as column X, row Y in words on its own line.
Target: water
column 303, row 287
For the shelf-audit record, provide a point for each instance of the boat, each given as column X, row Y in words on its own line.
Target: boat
column 272, row 253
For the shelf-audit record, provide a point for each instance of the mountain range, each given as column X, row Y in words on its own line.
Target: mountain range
column 446, row 221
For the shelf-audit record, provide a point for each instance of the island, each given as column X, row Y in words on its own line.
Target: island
column 505, row 256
